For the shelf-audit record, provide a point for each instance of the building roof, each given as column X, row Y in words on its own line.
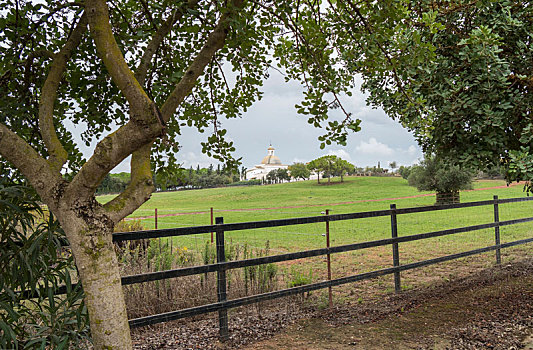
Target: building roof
column 274, row 160
column 270, row 158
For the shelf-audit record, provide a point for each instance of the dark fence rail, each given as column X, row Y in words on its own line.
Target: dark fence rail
column 175, row 315
column 183, row 231
column 222, row 266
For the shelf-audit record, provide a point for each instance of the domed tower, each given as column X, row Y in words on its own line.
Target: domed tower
column 270, row 158
column 269, row 163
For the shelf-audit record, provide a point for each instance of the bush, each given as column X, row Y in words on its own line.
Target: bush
column 446, row 180
column 404, row 171
column 33, row 266
column 246, row 183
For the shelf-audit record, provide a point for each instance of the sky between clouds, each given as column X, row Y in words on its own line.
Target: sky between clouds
column 273, row 120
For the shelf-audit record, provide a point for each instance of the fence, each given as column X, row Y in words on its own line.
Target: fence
column 222, row 265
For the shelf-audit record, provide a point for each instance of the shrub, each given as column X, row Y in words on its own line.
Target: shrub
column 33, row 266
column 404, row 171
column 435, row 175
column 252, row 182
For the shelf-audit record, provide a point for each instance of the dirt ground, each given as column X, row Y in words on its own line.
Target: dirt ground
column 480, row 308
column 490, row 310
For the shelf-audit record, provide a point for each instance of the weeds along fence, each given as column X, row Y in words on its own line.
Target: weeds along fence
column 222, row 265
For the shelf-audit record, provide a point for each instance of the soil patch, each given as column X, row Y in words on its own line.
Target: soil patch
column 490, row 308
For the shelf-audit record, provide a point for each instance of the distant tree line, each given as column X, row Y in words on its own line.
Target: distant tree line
column 192, row 178
column 113, row 183
column 326, row 167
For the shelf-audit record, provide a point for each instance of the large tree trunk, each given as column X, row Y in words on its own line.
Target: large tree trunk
column 90, row 237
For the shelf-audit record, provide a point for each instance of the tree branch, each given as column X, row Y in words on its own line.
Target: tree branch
column 215, row 42
column 139, row 189
column 34, row 167
column 106, row 45
column 109, row 152
column 29, row 62
column 157, row 39
column 144, row 125
column 385, row 53
column 58, row 154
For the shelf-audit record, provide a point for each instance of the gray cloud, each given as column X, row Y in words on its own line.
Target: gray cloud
column 274, row 120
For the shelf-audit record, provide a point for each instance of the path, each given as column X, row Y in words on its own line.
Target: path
column 316, row 205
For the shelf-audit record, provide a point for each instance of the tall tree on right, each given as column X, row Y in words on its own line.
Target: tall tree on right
column 324, row 165
column 460, row 76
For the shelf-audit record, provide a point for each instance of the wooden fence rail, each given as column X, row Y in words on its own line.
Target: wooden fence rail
column 221, row 266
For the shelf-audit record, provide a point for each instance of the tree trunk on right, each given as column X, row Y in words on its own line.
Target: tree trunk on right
column 451, row 197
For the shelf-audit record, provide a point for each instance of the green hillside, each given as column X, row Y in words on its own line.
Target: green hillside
column 307, row 198
column 308, row 193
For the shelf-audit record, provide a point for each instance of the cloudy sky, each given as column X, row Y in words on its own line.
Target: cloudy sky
column 274, row 120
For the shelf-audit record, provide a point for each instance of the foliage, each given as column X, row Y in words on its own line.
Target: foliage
column 298, row 278
column 435, row 175
column 342, row 167
column 252, row 182
column 277, row 176
column 320, row 166
column 259, row 278
column 458, row 74
column 34, row 263
column 330, row 166
column 113, row 183
column 299, row 171
column 404, row 171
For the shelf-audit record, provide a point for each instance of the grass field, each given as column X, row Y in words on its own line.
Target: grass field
column 356, row 194
column 307, row 198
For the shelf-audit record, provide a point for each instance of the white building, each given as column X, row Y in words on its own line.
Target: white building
column 269, row 163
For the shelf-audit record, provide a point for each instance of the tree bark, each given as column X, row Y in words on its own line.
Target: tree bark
column 451, row 197
column 89, row 232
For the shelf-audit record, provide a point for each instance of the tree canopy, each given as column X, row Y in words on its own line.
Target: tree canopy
column 299, row 171
column 329, row 166
column 468, row 96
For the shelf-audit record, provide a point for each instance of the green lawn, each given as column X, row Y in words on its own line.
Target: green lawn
column 308, row 198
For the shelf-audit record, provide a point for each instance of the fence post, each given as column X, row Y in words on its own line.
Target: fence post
column 330, row 294
column 395, row 250
column 159, row 265
column 211, row 224
column 497, row 230
column 221, row 282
